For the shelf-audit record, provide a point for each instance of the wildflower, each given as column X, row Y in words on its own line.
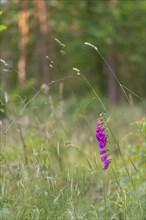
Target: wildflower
column 100, row 134
column 104, row 158
column 106, row 164
column 101, row 137
column 106, row 161
column 102, row 151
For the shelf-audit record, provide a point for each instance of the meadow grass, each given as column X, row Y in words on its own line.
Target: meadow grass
column 50, row 165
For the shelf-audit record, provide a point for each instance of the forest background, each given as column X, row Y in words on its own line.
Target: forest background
column 35, row 29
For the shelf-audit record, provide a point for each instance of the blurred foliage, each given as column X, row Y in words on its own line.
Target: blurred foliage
column 2, row 27
column 92, row 21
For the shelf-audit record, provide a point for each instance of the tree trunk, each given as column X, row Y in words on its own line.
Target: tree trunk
column 37, row 46
column 44, row 43
column 42, row 12
column 23, row 30
column 111, row 88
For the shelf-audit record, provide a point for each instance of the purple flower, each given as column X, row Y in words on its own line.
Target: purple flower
column 104, row 158
column 102, row 151
column 106, row 161
column 100, row 134
column 101, row 137
column 99, row 128
column 102, row 144
column 106, row 164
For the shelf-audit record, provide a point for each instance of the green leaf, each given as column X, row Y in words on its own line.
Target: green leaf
column 2, row 110
column 1, row 12
column 3, row 27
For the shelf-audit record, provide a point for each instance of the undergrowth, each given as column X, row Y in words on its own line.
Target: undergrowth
column 50, row 168
column 50, row 165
